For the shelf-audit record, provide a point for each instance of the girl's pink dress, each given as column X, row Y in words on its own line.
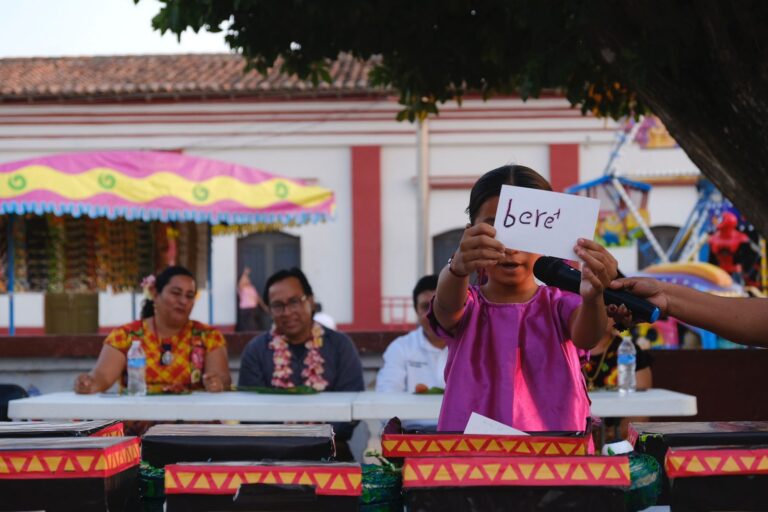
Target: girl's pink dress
column 515, row 363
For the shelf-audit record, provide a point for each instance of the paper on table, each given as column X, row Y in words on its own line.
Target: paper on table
column 617, row 448
column 479, row 424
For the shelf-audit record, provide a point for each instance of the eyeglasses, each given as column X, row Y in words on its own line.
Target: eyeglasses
column 294, row 304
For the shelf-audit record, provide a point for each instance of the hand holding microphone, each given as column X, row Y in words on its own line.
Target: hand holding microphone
column 645, row 288
column 555, row 272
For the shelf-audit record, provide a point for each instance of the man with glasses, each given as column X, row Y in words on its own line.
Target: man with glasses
column 299, row 351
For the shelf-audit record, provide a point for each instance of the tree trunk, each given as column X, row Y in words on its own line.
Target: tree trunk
column 708, row 83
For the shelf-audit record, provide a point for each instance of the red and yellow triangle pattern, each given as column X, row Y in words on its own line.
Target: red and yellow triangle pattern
column 116, row 430
column 517, row 471
column 457, row 445
column 327, row 479
column 682, row 462
column 69, row 463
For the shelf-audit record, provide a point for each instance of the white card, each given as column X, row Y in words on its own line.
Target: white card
column 479, row 424
column 542, row 222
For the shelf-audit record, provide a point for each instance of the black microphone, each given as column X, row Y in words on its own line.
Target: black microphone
column 555, row 272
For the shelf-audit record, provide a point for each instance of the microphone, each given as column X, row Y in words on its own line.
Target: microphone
column 555, row 272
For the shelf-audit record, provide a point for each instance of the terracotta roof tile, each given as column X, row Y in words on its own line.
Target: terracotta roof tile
column 149, row 77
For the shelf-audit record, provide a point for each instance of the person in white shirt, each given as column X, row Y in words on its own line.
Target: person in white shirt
column 417, row 358
column 323, row 318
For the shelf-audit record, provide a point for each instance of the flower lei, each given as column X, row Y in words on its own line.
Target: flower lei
column 313, row 362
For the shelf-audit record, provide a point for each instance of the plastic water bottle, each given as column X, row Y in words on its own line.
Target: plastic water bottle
column 627, row 357
column 137, row 369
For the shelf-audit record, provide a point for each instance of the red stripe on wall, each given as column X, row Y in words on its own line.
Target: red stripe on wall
column 103, row 329
column 563, row 166
column 366, row 237
column 24, row 331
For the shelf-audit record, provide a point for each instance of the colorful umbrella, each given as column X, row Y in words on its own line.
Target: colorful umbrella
column 164, row 186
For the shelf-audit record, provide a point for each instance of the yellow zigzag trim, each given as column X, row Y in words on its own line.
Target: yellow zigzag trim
column 161, row 184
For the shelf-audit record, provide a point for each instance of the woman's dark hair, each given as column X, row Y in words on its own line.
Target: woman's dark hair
column 285, row 274
column 489, row 185
column 162, row 279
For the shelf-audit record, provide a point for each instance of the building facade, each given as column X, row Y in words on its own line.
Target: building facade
column 342, row 136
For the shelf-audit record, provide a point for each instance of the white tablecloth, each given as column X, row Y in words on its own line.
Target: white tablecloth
column 653, row 402
column 243, row 406
column 198, row 406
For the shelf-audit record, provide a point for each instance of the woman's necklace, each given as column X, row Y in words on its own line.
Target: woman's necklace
column 167, row 357
column 591, row 380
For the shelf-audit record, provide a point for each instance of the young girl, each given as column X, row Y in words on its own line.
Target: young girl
column 514, row 347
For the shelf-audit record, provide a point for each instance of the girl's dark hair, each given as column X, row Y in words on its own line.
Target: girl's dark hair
column 162, row 279
column 489, row 185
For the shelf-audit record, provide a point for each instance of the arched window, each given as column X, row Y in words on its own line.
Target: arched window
column 265, row 254
column 443, row 247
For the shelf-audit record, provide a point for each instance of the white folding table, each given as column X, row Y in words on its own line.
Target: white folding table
column 370, row 405
column 197, row 406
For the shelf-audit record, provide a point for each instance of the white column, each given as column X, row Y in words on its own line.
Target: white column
column 424, row 242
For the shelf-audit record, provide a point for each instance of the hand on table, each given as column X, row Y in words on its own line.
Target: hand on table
column 84, row 384
column 213, row 383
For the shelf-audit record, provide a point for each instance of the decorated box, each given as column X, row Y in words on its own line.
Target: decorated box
column 718, row 478
column 398, row 443
column 61, row 428
column 167, row 444
column 73, row 473
column 296, row 485
column 646, row 435
column 466, row 445
column 654, row 438
column 540, row 483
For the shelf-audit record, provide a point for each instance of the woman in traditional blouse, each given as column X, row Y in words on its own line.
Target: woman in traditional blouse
column 182, row 354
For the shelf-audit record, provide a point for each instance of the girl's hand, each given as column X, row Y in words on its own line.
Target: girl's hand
column 622, row 317
column 600, row 253
column 478, row 249
column 598, row 270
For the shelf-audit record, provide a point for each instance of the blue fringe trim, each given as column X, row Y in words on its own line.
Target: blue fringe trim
column 78, row 210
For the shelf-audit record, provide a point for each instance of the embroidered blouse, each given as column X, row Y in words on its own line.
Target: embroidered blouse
column 183, row 370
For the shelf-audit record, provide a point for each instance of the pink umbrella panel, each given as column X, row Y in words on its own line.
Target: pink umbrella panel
column 166, row 186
